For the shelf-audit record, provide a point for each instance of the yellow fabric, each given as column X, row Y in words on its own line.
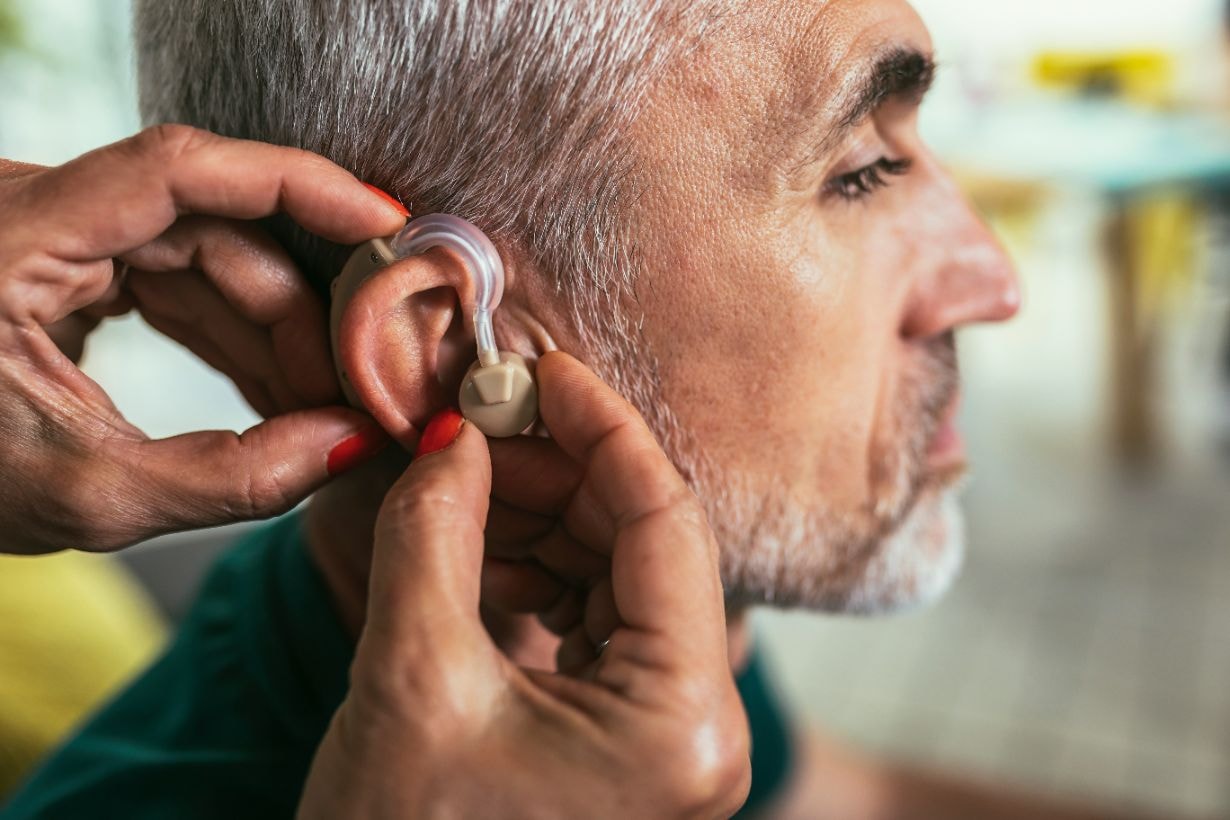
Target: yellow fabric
column 73, row 628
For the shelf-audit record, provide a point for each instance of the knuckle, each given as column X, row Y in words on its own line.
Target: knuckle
column 690, row 510
column 262, row 488
column 422, row 498
column 169, row 141
column 267, row 494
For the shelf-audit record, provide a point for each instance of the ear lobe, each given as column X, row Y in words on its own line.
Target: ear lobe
column 399, row 337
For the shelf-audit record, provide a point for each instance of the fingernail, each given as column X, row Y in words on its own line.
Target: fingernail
column 387, row 197
column 441, row 431
column 353, row 451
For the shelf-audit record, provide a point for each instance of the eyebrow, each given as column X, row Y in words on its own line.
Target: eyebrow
column 898, row 73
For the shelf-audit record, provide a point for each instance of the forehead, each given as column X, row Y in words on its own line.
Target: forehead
column 771, row 72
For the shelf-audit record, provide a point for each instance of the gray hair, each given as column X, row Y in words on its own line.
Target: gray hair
column 510, row 113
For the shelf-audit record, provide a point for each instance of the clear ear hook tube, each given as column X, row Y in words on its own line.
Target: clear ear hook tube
column 498, row 393
column 480, row 258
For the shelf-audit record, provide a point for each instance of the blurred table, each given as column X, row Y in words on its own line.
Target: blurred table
column 1127, row 155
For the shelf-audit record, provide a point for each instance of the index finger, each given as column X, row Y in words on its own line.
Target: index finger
column 135, row 189
column 428, row 553
column 664, row 565
column 605, row 434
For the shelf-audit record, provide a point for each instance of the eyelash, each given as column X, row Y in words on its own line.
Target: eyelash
column 859, row 184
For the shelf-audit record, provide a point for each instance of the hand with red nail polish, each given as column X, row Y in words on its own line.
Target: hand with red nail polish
column 164, row 223
column 387, row 197
column 439, row 722
column 357, row 449
column 440, row 432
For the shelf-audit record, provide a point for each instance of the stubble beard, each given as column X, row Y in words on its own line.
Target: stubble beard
column 903, row 549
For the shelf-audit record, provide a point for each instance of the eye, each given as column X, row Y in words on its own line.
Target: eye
column 866, row 180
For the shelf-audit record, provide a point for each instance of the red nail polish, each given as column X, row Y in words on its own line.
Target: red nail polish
column 351, row 452
column 441, row 431
column 389, row 199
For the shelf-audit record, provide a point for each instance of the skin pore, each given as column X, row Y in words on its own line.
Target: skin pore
column 805, row 264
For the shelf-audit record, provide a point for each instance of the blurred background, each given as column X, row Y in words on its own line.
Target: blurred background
column 1086, row 649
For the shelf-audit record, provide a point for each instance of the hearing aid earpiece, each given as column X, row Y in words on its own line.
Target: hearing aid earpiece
column 498, row 393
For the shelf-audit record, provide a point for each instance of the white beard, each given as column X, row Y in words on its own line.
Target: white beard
column 915, row 565
column 902, row 553
column 779, row 554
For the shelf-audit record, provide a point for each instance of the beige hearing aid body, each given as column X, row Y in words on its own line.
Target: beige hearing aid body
column 498, row 394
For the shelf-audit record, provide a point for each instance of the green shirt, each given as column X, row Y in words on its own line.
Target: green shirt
column 226, row 723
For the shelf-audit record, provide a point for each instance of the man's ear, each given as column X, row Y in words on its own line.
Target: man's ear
column 404, row 341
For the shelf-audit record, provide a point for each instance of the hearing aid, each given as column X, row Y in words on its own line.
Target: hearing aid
column 498, row 394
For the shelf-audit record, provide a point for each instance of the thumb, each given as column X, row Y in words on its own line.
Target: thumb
column 216, row 477
column 428, row 553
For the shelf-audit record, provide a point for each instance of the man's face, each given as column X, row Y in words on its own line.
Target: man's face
column 808, row 263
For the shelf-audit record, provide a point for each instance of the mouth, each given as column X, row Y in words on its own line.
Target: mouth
column 946, row 453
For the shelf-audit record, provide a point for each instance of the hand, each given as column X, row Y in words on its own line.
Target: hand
column 439, row 723
column 70, row 333
column 167, row 203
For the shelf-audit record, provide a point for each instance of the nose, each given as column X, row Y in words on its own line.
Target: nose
column 970, row 279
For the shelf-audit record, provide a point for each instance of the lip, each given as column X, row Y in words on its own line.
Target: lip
column 947, row 450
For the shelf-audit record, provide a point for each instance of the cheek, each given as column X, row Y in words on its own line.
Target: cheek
column 778, row 376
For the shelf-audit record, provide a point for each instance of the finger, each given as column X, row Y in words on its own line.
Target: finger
column 69, row 334
column 565, row 613
column 516, row 535
column 664, row 563
column 185, row 307
column 567, row 558
column 601, row 616
column 115, row 300
column 428, row 554
column 575, row 651
column 598, row 429
column 141, row 185
column 255, row 276
column 533, row 474
column 44, row 290
column 521, row 639
column 208, row 478
column 511, row 533
column 519, row 587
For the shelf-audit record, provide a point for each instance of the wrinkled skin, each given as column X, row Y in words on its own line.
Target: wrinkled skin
column 428, row 684
column 175, row 203
column 439, row 723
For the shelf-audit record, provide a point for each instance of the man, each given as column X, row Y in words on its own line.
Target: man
column 723, row 207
